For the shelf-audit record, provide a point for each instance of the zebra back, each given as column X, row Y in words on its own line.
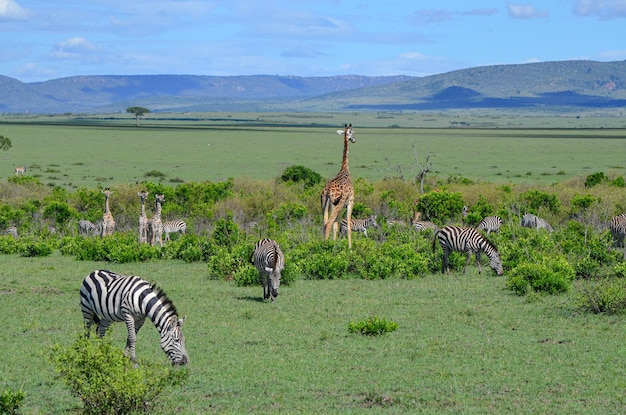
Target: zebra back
column 533, row 221
column 490, row 224
column 107, row 297
column 422, row 225
column 174, row 226
column 11, row 230
column 269, row 260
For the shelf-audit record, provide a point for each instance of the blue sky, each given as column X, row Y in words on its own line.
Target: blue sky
column 47, row 39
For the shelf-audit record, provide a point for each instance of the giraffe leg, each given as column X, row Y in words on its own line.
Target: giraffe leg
column 349, row 216
column 332, row 217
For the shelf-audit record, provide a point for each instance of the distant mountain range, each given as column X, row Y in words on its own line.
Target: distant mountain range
column 556, row 86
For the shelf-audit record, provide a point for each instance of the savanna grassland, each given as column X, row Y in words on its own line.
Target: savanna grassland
column 465, row 343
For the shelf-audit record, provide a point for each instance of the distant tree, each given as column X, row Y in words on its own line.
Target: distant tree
column 5, row 143
column 138, row 112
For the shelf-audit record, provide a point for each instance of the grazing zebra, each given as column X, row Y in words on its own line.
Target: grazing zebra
column 11, row 230
column 454, row 238
column 358, row 225
column 20, row 170
column 532, row 221
column 422, row 225
column 88, row 228
column 269, row 260
column 174, row 226
column 617, row 226
column 107, row 297
column 490, row 224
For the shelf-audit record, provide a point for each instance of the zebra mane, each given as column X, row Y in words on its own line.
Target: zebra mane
column 165, row 301
column 491, row 245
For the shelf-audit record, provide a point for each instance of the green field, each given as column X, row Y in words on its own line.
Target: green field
column 87, row 152
column 465, row 344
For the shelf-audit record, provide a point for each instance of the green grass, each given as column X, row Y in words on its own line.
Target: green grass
column 100, row 152
column 464, row 344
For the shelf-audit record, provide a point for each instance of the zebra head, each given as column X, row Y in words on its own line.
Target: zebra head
column 173, row 342
column 348, row 132
column 496, row 264
column 274, row 280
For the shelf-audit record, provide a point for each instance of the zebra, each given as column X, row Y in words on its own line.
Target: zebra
column 358, row 225
column 454, row 238
column 490, row 224
column 269, row 260
column 617, row 226
column 107, row 297
column 174, row 226
column 11, row 230
column 532, row 221
column 88, row 228
column 422, row 225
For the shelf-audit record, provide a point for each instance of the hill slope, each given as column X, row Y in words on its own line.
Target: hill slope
column 554, row 85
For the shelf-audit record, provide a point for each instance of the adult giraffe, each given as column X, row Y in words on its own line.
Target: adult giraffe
column 339, row 191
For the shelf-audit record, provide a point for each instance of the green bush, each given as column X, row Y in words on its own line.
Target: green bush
column 31, row 247
column 10, row 401
column 595, row 179
column 372, row 326
column 606, row 295
column 301, row 174
column 107, row 381
column 440, row 206
column 551, row 275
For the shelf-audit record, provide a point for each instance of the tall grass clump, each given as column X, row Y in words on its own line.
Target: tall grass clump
column 107, row 381
column 10, row 401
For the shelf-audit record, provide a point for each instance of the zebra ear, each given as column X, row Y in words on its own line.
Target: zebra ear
column 181, row 321
column 340, row 132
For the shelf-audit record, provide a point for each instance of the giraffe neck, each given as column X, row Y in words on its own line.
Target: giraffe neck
column 157, row 211
column 344, row 162
column 143, row 207
column 106, row 206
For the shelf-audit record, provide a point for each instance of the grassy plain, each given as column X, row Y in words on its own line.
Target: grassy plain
column 465, row 344
column 89, row 151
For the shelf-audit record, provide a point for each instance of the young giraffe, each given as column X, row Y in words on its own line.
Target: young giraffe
column 143, row 219
column 155, row 224
column 108, row 223
column 339, row 191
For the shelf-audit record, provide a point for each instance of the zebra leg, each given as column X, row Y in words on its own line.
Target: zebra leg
column 444, row 262
column 102, row 328
column 467, row 261
column 132, row 337
column 478, row 262
column 266, row 285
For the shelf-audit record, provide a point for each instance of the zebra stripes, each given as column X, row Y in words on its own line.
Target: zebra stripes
column 490, row 224
column 88, row 228
column 174, row 226
column 11, row 230
column 422, row 225
column 468, row 240
column 107, row 297
column 532, row 221
column 617, row 226
column 358, row 225
column 269, row 260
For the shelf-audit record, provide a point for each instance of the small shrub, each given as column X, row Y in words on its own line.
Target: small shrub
column 595, row 179
column 10, row 402
column 607, row 295
column 301, row 174
column 552, row 275
column 106, row 381
column 372, row 326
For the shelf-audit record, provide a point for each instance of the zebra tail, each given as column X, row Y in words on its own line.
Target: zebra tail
column 435, row 240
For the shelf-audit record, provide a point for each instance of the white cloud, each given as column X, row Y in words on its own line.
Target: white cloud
column 72, row 48
column 10, row 10
column 524, row 11
column 605, row 10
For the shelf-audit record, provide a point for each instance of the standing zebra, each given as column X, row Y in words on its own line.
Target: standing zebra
column 454, row 238
column 174, row 226
column 88, row 228
column 358, row 225
column 269, row 260
column 107, row 297
column 490, row 224
column 422, row 225
column 617, row 226
column 532, row 221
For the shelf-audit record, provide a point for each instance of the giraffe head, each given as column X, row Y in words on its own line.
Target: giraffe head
column 143, row 194
column 348, row 133
column 107, row 192
column 159, row 198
